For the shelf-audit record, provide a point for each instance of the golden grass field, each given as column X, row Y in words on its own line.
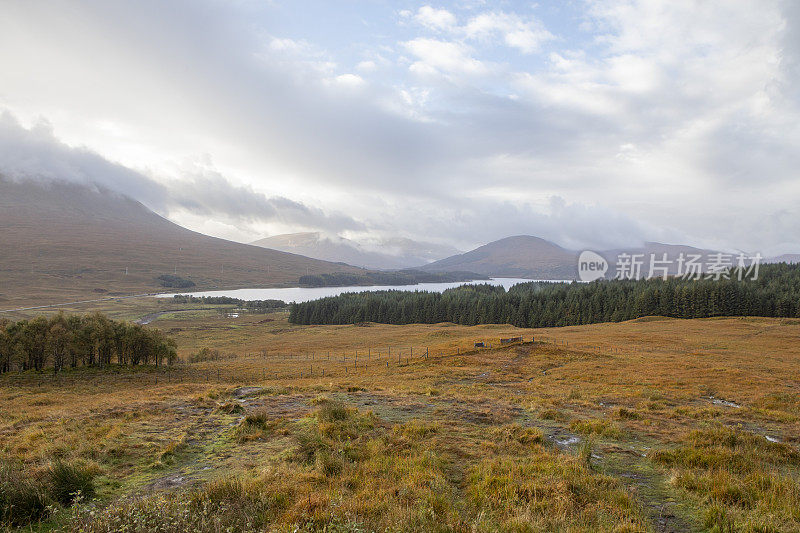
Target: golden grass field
column 650, row 425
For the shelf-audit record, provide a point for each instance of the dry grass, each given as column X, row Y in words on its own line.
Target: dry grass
column 527, row 437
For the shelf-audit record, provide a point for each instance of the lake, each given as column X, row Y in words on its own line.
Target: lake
column 304, row 294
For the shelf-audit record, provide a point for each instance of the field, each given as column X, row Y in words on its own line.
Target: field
column 649, row 425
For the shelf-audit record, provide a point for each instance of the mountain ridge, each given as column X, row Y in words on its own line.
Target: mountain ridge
column 518, row 256
column 527, row 256
column 64, row 240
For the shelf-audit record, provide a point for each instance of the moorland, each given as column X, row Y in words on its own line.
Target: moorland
column 652, row 424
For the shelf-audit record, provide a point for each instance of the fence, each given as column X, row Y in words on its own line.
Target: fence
column 272, row 366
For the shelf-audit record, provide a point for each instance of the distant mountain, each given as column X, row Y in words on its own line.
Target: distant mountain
column 385, row 255
column 522, row 256
column 785, row 258
column 62, row 241
column 657, row 250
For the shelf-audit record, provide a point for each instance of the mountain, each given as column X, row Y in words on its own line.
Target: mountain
column 385, row 255
column 61, row 241
column 522, row 256
column 785, row 258
column 657, row 251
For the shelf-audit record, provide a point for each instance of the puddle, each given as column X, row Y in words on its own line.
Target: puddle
column 772, row 439
column 564, row 441
column 243, row 392
column 726, row 403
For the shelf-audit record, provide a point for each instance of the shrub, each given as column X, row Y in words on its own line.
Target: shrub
column 515, row 433
column 329, row 464
column 553, row 414
column 22, row 500
column 309, row 442
column 258, row 420
column 172, row 281
column 595, row 426
column 257, row 426
column 68, row 481
column 209, row 354
column 332, row 411
column 627, row 414
column 230, row 408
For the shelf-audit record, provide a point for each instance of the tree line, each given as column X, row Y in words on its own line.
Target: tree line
column 70, row 341
column 250, row 305
column 775, row 293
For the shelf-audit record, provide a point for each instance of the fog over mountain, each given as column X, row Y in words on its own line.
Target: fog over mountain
column 64, row 241
column 387, row 254
column 590, row 124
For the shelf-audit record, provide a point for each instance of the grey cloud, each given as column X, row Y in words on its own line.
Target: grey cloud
column 204, row 71
column 210, row 193
column 37, row 154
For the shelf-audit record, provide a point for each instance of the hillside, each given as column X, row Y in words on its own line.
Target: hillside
column 525, row 256
column 785, row 258
column 385, row 255
column 64, row 241
column 522, row 256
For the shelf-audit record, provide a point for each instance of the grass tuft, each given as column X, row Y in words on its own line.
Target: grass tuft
column 596, row 426
column 22, row 500
column 69, row 482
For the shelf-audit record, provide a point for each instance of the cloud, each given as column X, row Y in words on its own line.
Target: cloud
column 524, row 35
column 680, row 116
column 36, row 154
column 435, row 19
column 351, row 81
column 366, row 66
column 442, row 57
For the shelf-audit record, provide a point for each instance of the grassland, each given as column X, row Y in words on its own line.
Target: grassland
column 649, row 425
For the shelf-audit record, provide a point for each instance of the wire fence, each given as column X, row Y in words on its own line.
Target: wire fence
column 268, row 365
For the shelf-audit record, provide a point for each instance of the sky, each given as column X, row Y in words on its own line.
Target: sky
column 594, row 124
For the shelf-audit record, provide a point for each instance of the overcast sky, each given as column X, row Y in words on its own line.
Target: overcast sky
column 590, row 123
